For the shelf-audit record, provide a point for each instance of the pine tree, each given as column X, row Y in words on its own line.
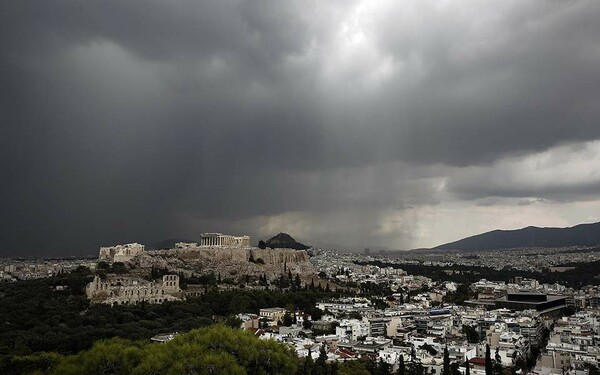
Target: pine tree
column 446, row 368
column 321, row 362
column 498, row 363
column 468, row 368
column 333, row 368
column 309, row 364
column 401, row 369
column 383, row 368
column 488, row 361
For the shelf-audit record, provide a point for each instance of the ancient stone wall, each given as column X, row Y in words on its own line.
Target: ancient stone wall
column 117, row 290
column 230, row 262
column 120, row 253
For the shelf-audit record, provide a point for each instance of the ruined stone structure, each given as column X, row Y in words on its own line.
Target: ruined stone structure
column 223, row 240
column 186, row 245
column 117, row 290
column 120, row 253
column 230, row 262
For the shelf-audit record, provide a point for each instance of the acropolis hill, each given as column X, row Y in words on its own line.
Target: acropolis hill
column 230, row 256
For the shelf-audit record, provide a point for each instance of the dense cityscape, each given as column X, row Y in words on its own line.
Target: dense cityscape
column 417, row 312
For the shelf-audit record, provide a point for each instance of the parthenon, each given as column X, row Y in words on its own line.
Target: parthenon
column 223, row 240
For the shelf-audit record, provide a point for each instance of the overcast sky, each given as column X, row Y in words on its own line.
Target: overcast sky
column 395, row 124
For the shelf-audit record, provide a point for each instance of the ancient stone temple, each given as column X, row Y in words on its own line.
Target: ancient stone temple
column 223, row 240
column 118, row 290
column 120, row 253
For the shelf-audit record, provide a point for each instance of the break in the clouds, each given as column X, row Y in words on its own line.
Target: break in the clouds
column 348, row 123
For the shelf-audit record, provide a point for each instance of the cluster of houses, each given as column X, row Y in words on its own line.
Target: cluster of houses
column 12, row 270
column 573, row 342
column 353, row 328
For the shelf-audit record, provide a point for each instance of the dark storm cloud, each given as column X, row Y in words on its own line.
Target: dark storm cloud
column 121, row 118
column 563, row 174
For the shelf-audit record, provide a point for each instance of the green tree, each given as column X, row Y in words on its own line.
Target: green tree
column 488, row 361
column 383, row 368
column 353, row 368
column 214, row 350
column 103, row 266
column 233, row 321
column 309, row 364
column 446, row 368
column 288, row 320
column 471, row 333
column 29, row 364
column 592, row 368
column 415, row 368
column 497, row 363
column 306, row 324
column 321, row 362
column 334, row 368
column 119, row 268
column 401, row 368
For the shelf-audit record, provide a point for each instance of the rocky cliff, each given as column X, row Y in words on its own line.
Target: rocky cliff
column 229, row 262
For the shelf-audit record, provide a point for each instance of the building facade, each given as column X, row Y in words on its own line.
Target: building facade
column 223, row 240
column 116, row 290
column 120, row 253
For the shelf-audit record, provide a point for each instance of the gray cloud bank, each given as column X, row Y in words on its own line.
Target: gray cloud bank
column 346, row 122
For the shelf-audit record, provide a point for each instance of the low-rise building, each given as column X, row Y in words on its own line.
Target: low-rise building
column 275, row 314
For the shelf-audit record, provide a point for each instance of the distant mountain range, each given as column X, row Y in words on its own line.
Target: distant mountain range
column 579, row 235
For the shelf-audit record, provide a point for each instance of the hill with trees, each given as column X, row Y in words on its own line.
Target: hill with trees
column 579, row 235
column 282, row 241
